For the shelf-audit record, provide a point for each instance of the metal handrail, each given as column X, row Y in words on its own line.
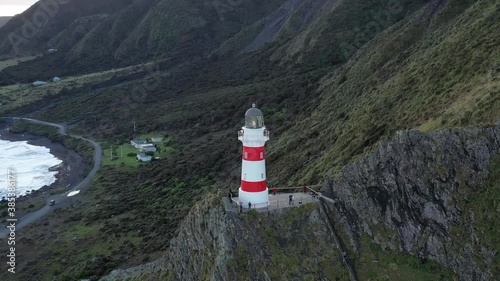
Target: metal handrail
column 299, row 200
column 281, row 189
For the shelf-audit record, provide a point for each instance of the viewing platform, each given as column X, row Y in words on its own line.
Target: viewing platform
column 281, row 200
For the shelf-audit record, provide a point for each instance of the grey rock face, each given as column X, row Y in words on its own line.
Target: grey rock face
column 140, row 272
column 411, row 188
column 406, row 196
column 216, row 244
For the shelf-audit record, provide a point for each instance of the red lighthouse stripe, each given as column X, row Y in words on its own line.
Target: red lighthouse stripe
column 249, row 186
column 253, row 153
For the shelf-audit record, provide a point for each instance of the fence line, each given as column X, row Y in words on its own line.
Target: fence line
column 284, row 189
column 298, row 200
column 343, row 253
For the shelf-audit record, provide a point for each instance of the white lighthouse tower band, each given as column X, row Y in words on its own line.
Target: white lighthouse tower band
column 253, row 165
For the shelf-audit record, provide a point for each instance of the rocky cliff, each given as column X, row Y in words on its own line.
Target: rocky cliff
column 217, row 243
column 426, row 200
column 289, row 244
column 433, row 195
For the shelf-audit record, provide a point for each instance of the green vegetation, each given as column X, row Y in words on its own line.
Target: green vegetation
column 297, row 246
column 482, row 211
column 23, row 206
column 428, row 68
column 25, row 94
column 374, row 264
column 108, row 229
column 125, row 155
column 12, row 62
column 411, row 77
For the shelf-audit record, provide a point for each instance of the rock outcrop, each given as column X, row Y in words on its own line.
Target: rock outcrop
column 414, row 194
column 411, row 195
column 216, row 243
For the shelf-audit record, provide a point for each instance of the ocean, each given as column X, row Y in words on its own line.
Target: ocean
column 30, row 164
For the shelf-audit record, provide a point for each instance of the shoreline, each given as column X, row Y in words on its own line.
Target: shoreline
column 69, row 171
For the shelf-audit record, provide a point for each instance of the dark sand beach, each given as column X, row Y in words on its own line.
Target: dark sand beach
column 69, row 172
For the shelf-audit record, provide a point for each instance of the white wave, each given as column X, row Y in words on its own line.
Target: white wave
column 30, row 165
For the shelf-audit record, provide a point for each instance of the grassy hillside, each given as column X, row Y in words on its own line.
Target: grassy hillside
column 427, row 72
column 35, row 27
column 329, row 93
column 135, row 32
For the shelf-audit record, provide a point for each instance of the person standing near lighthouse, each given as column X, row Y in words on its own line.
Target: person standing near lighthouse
column 253, row 167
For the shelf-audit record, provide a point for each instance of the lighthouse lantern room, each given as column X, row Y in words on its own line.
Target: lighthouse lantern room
column 253, row 167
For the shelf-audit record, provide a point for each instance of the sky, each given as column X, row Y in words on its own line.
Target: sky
column 14, row 7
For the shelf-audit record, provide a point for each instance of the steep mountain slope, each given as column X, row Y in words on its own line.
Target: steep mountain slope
column 134, row 30
column 192, row 28
column 115, row 29
column 432, row 195
column 429, row 195
column 292, row 17
column 331, row 88
column 393, row 203
column 432, row 70
column 4, row 20
column 29, row 32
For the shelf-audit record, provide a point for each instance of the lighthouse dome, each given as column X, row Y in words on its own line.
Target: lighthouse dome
column 254, row 119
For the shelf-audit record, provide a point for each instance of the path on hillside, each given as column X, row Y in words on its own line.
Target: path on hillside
column 60, row 198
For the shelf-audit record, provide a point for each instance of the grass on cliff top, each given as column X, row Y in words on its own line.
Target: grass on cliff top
column 480, row 225
column 296, row 244
column 374, row 264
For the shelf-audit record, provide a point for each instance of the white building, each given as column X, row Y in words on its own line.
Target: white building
column 147, row 147
column 144, row 158
column 254, row 136
column 56, row 79
column 137, row 143
column 39, row 83
column 156, row 139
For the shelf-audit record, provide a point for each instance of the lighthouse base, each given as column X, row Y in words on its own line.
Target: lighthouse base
column 258, row 199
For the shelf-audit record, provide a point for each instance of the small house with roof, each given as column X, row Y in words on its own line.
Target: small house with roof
column 39, row 83
column 156, row 139
column 147, row 148
column 137, row 143
column 144, row 158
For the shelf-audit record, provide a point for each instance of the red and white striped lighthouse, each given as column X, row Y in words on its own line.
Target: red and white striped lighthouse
column 253, row 165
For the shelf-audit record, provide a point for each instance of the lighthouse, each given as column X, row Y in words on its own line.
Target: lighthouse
column 253, row 165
